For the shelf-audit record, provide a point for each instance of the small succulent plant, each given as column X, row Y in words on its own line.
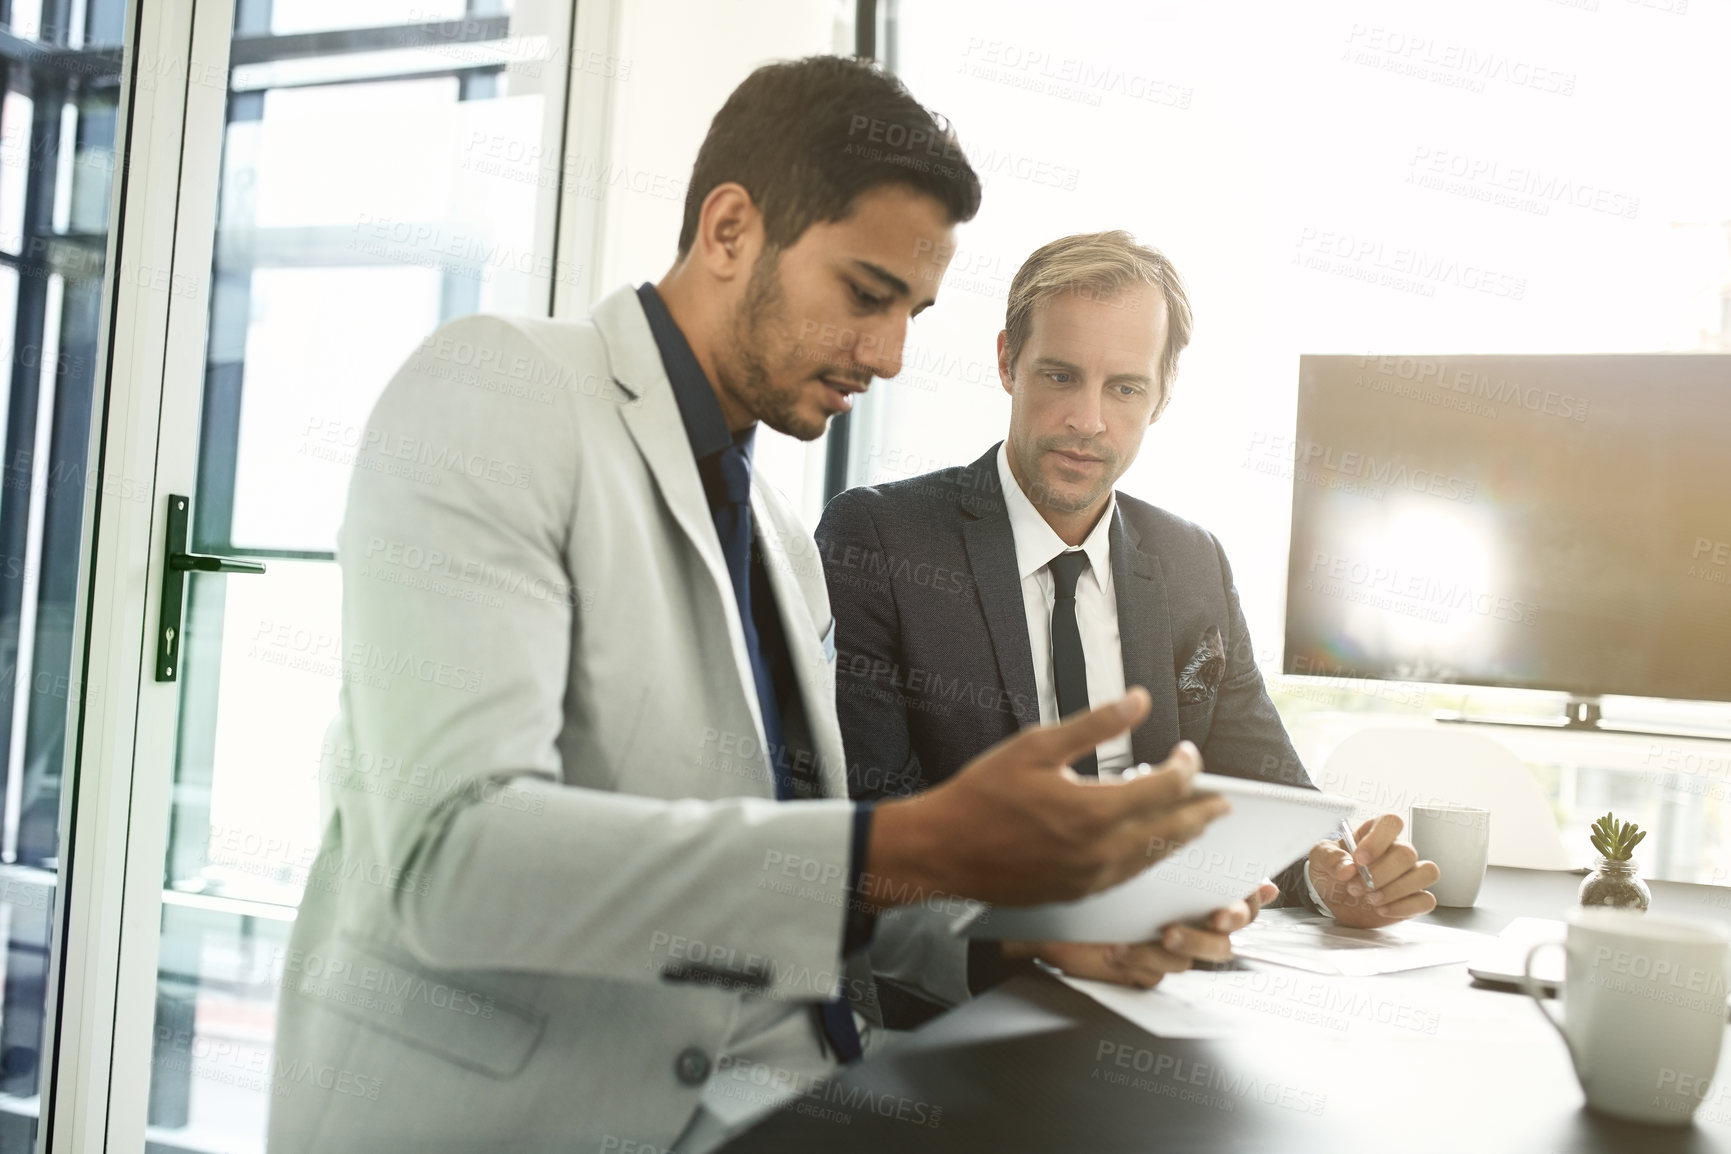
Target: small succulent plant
column 1616, row 840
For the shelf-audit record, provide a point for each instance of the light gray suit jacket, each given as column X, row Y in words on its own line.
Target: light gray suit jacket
column 556, row 877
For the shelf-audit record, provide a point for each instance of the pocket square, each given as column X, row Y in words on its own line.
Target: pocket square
column 1201, row 675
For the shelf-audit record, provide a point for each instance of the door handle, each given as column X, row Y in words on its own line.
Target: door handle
column 176, row 564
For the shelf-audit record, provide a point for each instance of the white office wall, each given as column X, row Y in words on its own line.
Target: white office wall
column 672, row 65
column 1288, row 158
column 685, row 57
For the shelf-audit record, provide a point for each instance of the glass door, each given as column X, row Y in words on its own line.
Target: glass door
column 379, row 166
column 60, row 84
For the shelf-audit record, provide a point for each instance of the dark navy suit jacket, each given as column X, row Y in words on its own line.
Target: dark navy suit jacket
column 933, row 664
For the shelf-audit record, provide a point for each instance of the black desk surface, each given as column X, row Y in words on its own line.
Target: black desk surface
column 1018, row 1069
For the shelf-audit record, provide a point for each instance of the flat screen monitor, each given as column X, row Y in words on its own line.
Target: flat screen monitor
column 1541, row 522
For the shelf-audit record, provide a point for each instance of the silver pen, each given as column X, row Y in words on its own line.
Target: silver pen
column 1352, row 847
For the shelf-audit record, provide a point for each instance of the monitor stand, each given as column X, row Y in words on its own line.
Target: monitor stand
column 1583, row 715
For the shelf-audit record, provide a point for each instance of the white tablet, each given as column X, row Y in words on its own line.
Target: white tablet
column 1269, row 828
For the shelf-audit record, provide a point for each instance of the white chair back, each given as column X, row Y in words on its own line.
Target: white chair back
column 1389, row 769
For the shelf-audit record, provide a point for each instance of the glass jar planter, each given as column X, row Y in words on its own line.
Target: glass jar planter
column 1616, row 885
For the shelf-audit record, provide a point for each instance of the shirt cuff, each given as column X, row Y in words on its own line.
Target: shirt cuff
column 1315, row 897
column 861, row 921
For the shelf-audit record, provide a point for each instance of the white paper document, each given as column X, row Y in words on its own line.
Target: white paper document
column 1240, row 1003
column 1270, row 827
column 1307, row 941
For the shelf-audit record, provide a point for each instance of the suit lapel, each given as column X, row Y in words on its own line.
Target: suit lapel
column 652, row 418
column 1145, row 632
column 991, row 549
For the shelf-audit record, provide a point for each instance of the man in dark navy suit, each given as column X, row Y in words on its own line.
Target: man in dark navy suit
column 974, row 601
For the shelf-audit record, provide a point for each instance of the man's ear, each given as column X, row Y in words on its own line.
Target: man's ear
column 1004, row 361
column 729, row 232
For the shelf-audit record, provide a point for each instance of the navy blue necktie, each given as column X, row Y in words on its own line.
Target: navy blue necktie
column 732, row 513
column 733, row 525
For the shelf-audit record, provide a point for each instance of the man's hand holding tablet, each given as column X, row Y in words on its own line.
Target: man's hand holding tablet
column 1017, row 827
column 1143, row 964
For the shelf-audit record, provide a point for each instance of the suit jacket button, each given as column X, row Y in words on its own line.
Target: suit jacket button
column 692, row 1066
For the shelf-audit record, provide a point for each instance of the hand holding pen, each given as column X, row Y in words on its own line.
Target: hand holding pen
column 1368, row 878
column 1351, row 844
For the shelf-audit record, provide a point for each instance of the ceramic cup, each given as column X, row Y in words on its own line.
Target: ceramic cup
column 1643, row 1010
column 1458, row 839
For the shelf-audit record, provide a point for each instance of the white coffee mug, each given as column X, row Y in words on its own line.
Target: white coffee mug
column 1458, row 839
column 1643, row 1010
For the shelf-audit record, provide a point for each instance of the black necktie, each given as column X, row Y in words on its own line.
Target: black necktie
column 730, row 505
column 1069, row 670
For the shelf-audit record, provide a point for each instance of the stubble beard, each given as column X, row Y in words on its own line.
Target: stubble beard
column 1044, row 493
column 759, row 324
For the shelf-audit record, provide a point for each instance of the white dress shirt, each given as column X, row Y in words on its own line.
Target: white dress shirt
column 1096, row 607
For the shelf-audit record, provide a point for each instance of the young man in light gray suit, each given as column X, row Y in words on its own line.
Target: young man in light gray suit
column 974, row 601
column 593, row 882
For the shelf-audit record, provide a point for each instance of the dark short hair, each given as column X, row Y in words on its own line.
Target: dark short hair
column 806, row 137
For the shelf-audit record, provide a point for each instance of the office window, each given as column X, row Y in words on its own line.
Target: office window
column 1350, row 179
column 385, row 167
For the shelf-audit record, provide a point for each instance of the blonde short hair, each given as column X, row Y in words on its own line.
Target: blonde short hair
column 1101, row 265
